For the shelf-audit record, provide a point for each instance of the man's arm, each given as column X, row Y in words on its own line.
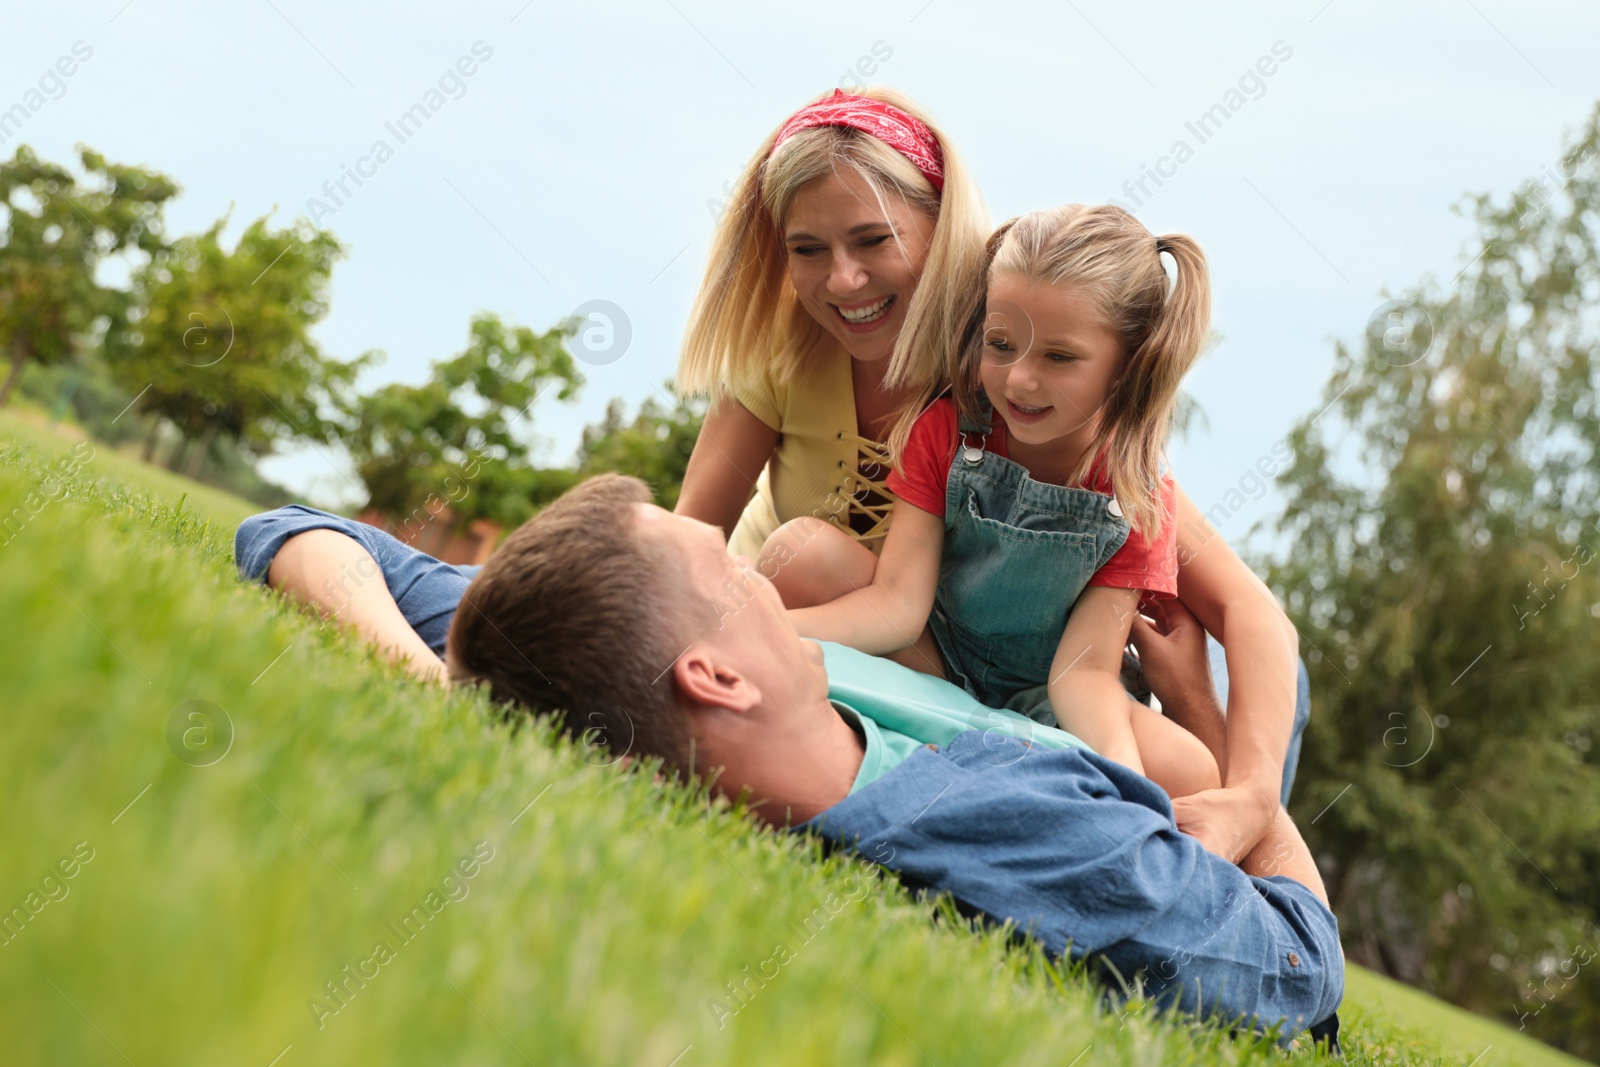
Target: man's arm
column 394, row 595
column 1082, row 854
column 335, row 576
column 1172, row 658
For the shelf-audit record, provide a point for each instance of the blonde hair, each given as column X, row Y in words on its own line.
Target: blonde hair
column 1116, row 262
column 747, row 320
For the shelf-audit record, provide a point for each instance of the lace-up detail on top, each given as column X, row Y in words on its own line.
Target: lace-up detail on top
column 868, row 504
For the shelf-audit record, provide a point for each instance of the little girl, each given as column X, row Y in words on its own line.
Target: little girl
column 1035, row 516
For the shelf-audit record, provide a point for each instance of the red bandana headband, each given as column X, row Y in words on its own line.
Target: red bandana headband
column 904, row 133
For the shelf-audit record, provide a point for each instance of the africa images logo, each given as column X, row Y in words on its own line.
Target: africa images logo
column 406, row 126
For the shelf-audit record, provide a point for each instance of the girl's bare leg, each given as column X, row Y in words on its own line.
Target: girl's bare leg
column 810, row 562
column 338, row 578
column 1173, row 758
column 1283, row 851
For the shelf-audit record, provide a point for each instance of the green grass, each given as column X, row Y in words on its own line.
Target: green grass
column 21, row 424
column 219, row 899
column 1433, row 1026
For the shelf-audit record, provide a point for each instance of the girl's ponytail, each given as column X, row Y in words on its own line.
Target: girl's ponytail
column 1139, row 411
column 1185, row 319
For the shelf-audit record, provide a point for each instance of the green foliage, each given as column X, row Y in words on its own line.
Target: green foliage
column 56, row 232
column 1444, row 526
column 655, row 446
column 455, row 438
column 221, row 899
column 219, row 341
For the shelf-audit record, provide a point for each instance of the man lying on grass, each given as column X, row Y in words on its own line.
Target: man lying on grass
column 635, row 623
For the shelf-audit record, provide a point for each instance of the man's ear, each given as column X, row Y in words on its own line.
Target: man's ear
column 703, row 677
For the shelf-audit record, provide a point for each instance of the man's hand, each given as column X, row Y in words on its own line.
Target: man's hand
column 1228, row 821
column 1172, row 654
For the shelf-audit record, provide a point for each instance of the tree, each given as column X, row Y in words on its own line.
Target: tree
column 655, row 446
column 455, row 438
column 219, row 342
column 56, row 233
column 1444, row 567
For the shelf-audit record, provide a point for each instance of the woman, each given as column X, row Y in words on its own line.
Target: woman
column 810, row 334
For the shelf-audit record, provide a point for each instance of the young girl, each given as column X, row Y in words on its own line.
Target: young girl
column 1034, row 514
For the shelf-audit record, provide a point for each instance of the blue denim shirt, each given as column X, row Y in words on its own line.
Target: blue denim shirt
column 1082, row 854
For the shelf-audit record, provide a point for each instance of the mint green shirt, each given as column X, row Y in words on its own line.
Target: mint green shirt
column 897, row 710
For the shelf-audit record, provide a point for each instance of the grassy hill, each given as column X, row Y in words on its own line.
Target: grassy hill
column 333, row 864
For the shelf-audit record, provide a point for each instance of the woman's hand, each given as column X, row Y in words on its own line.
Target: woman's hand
column 1228, row 821
column 1172, row 652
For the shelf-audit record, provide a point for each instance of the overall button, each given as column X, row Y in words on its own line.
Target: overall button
column 1115, row 507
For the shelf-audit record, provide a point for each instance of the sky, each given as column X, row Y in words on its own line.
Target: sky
column 583, row 156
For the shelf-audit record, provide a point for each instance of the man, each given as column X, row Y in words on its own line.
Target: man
column 637, row 626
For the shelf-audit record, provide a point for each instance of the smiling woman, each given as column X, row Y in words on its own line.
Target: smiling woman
column 810, row 334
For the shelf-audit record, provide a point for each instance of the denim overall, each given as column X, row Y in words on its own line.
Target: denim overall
column 1017, row 554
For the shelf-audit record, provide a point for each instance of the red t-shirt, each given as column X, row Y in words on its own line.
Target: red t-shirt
column 1149, row 564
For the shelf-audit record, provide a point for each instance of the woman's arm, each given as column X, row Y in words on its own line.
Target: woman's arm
column 1261, row 646
column 728, row 456
column 890, row 613
column 1085, row 687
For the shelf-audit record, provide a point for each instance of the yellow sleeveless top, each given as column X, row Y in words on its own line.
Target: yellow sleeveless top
column 821, row 466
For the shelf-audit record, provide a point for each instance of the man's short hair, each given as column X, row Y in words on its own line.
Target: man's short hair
column 578, row 615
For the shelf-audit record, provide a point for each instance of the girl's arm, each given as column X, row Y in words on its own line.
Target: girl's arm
column 1085, row 689
column 1261, row 646
column 890, row 613
column 728, row 456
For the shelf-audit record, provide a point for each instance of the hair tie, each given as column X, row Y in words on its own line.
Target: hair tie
column 903, row 132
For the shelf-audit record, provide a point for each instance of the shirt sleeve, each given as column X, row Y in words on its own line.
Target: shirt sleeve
column 1098, row 868
column 1144, row 562
column 425, row 589
column 925, row 468
column 759, row 395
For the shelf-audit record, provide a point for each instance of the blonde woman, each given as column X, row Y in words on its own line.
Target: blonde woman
column 811, row 335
